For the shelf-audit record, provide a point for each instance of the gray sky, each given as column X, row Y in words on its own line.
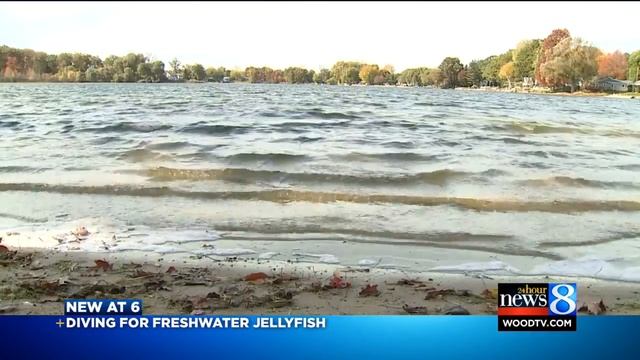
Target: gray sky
column 312, row 35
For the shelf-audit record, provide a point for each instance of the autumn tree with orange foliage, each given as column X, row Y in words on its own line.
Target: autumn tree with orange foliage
column 546, row 51
column 613, row 64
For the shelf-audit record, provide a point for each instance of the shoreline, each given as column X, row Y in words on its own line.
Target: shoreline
column 35, row 281
column 622, row 95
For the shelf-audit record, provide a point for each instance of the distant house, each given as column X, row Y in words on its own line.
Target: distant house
column 636, row 86
column 226, row 79
column 611, row 84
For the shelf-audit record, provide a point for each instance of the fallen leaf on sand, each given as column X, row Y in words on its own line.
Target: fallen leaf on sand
column 417, row 310
column 4, row 248
column 171, row 269
column 370, row 290
column 490, row 294
column 337, row 282
column 594, row 308
column 103, row 264
column 256, row 277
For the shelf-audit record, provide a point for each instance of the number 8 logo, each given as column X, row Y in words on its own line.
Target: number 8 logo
column 566, row 298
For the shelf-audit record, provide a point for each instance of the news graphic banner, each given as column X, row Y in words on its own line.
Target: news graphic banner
column 537, row 306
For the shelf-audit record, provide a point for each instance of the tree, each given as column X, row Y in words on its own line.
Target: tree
column 215, row 75
column 144, row 72
column 197, row 72
column 368, row 73
column 346, row 72
column 613, row 64
column 322, row 76
column 546, row 48
column 474, row 73
column 507, row 72
column 634, row 66
column 157, row 71
column 525, row 57
column 570, row 62
column 450, row 68
column 174, row 66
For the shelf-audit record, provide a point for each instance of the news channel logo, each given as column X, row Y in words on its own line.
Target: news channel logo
column 537, row 306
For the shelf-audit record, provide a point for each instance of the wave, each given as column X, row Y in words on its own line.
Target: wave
column 18, row 169
column 579, row 182
column 209, row 129
column 332, row 115
column 124, row 127
column 9, row 124
column 454, row 241
column 169, row 145
column 142, row 155
column 537, row 128
column 615, row 237
column 286, row 196
column 269, row 157
column 240, row 175
column 390, row 156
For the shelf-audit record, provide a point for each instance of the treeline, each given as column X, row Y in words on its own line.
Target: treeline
column 558, row 61
column 29, row 65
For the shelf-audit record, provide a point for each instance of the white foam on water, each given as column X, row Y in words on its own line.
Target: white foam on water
column 231, row 252
column 321, row 258
column 588, row 267
column 268, row 255
column 103, row 236
column 368, row 262
column 482, row 267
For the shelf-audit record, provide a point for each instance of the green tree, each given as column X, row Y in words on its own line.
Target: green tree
column 346, row 72
column 322, row 76
column 474, row 73
column 175, row 68
column 634, row 66
column 525, row 58
column 144, row 72
column 197, row 72
column 216, row 74
column 450, row 67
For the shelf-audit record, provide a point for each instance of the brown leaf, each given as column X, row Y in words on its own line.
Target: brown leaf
column 337, row 282
column 256, row 277
column 490, row 294
column 418, row 310
column 3, row 249
column 370, row 290
column 171, row 270
column 103, row 264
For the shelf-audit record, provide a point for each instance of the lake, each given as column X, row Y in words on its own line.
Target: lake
column 402, row 178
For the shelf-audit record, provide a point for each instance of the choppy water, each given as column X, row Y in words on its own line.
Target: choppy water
column 398, row 177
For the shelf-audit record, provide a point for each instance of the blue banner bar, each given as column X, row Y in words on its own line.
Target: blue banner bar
column 343, row 337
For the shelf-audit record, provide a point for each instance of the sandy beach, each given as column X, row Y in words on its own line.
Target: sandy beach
column 37, row 282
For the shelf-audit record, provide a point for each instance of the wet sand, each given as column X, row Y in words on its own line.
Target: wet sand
column 37, row 282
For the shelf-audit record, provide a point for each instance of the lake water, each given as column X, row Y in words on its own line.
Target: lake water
column 407, row 178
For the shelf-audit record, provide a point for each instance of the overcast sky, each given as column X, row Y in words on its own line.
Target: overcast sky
column 310, row 34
